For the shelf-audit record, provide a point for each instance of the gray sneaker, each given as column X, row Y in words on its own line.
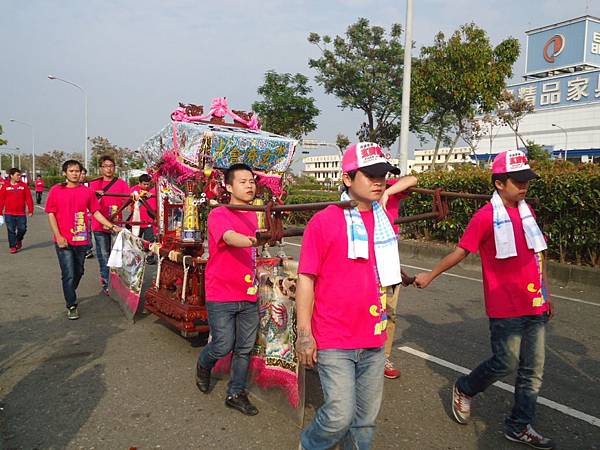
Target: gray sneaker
column 530, row 437
column 72, row 313
column 461, row 406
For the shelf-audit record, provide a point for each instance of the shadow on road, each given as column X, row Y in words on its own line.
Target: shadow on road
column 61, row 375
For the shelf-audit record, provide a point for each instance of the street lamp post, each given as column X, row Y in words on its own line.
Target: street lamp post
column 404, row 119
column 566, row 138
column 85, row 98
column 32, row 146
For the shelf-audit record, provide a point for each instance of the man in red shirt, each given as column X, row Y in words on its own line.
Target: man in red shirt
column 39, row 189
column 14, row 197
column 515, row 290
column 106, row 184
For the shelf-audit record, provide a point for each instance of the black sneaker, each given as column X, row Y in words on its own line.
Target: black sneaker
column 72, row 313
column 530, row 437
column 203, row 379
column 89, row 254
column 240, row 402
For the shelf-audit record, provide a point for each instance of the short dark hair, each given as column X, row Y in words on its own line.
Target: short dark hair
column 230, row 172
column 13, row 170
column 107, row 158
column 71, row 162
column 145, row 178
column 83, row 169
column 39, row 176
column 352, row 175
column 502, row 177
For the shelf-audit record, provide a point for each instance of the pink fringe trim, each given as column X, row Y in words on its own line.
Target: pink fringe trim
column 273, row 182
column 266, row 377
column 171, row 167
column 130, row 298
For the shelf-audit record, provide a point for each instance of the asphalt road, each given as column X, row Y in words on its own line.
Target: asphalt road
column 106, row 383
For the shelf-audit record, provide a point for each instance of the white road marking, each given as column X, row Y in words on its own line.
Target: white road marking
column 507, row 387
column 571, row 299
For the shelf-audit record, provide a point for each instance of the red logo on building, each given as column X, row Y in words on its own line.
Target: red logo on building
column 554, row 47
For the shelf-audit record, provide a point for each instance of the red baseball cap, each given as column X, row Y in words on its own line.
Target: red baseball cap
column 514, row 163
column 369, row 158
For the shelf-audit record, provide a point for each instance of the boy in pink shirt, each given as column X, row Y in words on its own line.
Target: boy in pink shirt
column 143, row 189
column 67, row 208
column 341, row 302
column 390, row 201
column 231, row 287
column 107, row 183
column 515, row 289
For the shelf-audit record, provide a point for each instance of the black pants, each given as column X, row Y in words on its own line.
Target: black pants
column 38, row 197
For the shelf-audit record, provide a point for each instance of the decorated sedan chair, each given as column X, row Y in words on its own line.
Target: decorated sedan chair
column 187, row 159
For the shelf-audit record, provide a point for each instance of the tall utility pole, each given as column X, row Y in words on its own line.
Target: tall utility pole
column 85, row 106
column 403, row 144
column 32, row 146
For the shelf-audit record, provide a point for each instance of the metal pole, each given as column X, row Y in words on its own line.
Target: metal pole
column 85, row 104
column 32, row 146
column 566, row 139
column 403, row 144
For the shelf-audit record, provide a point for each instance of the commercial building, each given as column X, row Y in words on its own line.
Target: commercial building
column 327, row 168
column 425, row 158
column 562, row 83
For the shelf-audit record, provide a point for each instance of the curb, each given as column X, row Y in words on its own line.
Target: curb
column 562, row 273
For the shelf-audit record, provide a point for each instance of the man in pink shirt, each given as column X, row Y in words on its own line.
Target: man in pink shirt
column 110, row 184
column 515, row 289
column 231, row 286
column 15, row 196
column 67, row 208
column 341, row 303
column 144, row 190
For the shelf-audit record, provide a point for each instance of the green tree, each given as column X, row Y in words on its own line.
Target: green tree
column 51, row 163
column 535, row 152
column 461, row 77
column 364, row 71
column 287, row 108
column 2, row 141
column 102, row 146
column 511, row 111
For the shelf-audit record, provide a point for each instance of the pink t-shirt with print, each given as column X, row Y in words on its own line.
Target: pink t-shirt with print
column 230, row 271
column 70, row 207
column 512, row 287
column 109, row 205
column 349, row 306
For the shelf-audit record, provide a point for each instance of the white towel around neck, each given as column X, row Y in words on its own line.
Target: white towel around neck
column 504, row 234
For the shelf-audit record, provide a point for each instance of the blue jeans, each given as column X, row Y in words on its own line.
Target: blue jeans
column 16, row 226
column 71, row 260
column 517, row 344
column 352, row 383
column 103, row 246
column 233, row 326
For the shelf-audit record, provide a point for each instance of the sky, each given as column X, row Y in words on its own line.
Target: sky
column 137, row 59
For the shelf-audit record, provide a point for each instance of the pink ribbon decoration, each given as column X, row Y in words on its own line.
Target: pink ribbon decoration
column 218, row 108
